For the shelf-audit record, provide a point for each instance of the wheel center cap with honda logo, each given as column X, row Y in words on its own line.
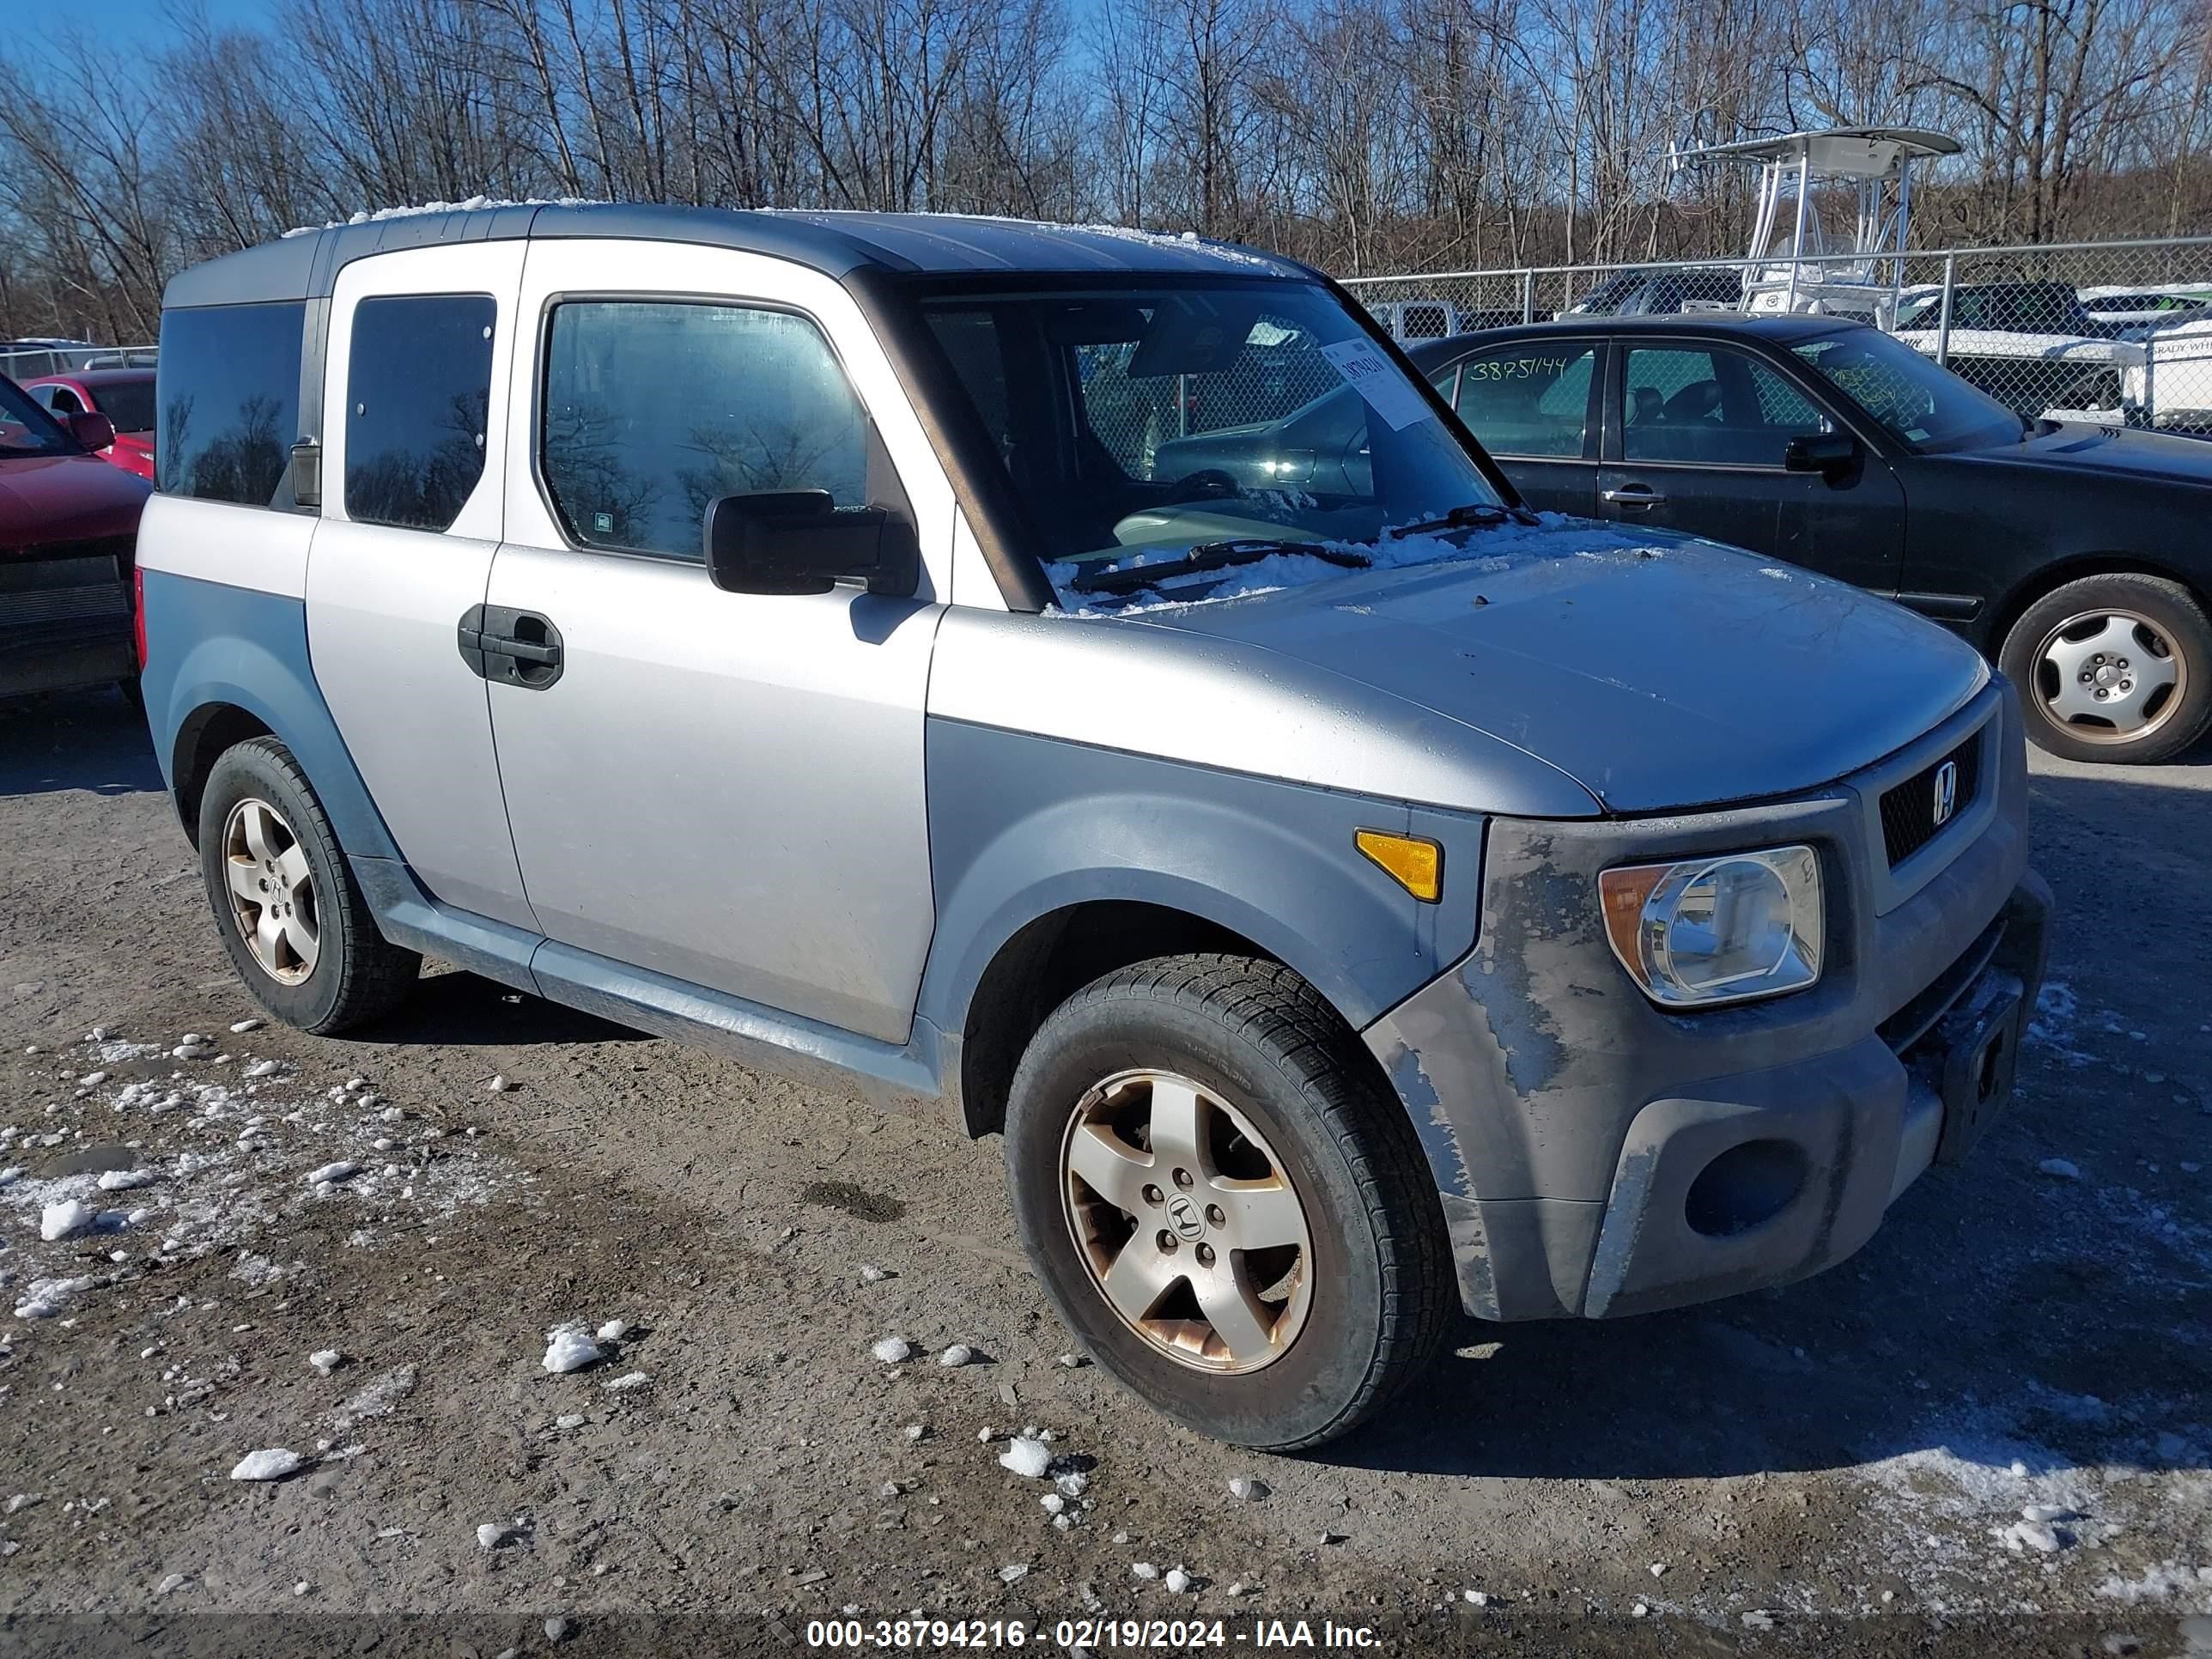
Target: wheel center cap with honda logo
column 1189, row 1224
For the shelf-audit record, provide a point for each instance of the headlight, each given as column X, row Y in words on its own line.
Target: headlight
column 1721, row 929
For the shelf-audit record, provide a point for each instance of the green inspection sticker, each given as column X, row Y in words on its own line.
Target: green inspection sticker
column 602, row 524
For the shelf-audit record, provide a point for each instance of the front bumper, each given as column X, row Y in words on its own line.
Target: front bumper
column 1597, row 1155
column 65, row 621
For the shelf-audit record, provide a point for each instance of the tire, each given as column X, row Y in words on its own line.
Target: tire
column 2092, row 627
column 327, row 969
column 1285, row 1100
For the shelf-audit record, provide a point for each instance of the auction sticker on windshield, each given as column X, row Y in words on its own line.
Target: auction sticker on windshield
column 1387, row 392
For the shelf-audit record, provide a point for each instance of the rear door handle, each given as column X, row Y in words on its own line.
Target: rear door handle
column 509, row 647
column 1635, row 495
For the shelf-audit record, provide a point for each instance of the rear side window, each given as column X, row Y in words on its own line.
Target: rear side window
column 129, row 403
column 228, row 386
column 419, row 387
column 1529, row 399
column 655, row 408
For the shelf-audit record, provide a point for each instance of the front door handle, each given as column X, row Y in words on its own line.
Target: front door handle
column 1634, row 495
column 510, row 647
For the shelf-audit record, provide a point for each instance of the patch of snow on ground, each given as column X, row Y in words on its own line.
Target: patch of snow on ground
column 217, row 1170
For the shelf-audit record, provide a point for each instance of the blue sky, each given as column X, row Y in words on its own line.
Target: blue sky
column 157, row 20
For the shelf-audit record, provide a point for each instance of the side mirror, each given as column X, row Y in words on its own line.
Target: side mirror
column 797, row 541
column 92, row 429
column 1824, row 453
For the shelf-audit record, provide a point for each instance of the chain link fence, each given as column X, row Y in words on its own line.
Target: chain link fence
column 28, row 359
column 2118, row 332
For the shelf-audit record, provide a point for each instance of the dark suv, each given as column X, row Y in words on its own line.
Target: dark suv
column 69, row 524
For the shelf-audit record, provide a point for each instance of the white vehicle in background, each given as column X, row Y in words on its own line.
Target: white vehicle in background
column 2150, row 309
column 2175, row 382
column 2032, row 345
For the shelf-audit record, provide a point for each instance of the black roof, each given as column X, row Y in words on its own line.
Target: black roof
column 305, row 264
column 1782, row 327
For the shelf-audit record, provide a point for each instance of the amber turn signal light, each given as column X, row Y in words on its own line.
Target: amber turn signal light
column 1415, row 863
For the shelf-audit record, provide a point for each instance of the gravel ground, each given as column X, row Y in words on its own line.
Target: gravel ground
column 1830, row 1467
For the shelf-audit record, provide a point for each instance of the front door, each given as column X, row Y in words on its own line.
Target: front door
column 1696, row 442
column 414, row 471
column 723, row 788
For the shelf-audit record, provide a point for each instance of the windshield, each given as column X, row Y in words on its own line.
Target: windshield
column 27, row 429
column 129, row 403
column 1921, row 405
column 1145, row 423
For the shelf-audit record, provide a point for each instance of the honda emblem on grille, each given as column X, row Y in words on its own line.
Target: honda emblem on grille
column 1946, row 792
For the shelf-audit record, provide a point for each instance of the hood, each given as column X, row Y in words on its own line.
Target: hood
column 1658, row 672
column 2074, row 445
column 65, row 498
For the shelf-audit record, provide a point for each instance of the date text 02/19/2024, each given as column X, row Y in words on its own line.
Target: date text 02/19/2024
column 1086, row 1634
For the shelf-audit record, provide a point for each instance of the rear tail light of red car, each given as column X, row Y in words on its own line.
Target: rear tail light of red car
column 139, row 614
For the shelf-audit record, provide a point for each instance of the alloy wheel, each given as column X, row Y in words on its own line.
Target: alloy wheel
column 1188, row 1222
column 2110, row 677
column 272, row 891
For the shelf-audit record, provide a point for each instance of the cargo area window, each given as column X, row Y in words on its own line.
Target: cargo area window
column 653, row 409
column 229, row 391
column 418, row 393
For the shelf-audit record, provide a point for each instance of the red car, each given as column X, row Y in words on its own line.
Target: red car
column 68, row 531
column 125, row 396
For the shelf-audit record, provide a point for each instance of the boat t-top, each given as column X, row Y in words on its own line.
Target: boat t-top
column 1805, row 254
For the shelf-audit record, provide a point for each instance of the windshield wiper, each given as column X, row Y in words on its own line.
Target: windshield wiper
column 1472, row 516
column 1211, row 556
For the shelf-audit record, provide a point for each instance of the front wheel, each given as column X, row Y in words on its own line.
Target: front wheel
column 294, row 919
column 1225, row 1203
column 2113, row 668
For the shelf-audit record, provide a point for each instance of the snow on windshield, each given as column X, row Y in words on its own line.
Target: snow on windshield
column 1487, row 548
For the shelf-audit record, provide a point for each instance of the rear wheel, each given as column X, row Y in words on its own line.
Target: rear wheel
column 2113, row 668
column 292, row 917
column 1225, row 1204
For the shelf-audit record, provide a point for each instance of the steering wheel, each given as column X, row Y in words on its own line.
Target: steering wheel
column 1207, row 485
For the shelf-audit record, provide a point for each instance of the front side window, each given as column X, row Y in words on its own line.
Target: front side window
column 655, row 408
column 27, row 429
column 418, row 394
column 1529, row 399
column 228, row 386
column 1711, row 407
column 1169, row 417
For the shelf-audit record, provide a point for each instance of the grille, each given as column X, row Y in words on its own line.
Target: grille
column 64, row 605
column 56, row 564
column 1908, row 810
column 67, row 582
